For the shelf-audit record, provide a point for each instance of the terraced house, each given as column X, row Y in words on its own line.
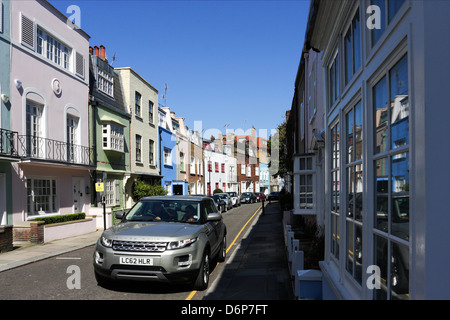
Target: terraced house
column 7, row 153
column 141, row 99
column 48, row 83
column 109, row 132
column 382, row 165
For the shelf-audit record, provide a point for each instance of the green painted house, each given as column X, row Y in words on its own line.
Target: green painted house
column 8, row 139
column 109, row 131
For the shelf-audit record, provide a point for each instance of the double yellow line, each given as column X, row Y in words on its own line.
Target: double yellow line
column 192, row 294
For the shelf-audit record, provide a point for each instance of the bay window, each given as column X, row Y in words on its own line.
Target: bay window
column 354, row 192
column 391, row 177
column 335, row 191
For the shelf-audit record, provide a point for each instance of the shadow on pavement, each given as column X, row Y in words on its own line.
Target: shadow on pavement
column 259, row 267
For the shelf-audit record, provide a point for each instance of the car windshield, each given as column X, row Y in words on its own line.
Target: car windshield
column 247, row 194
column 232, row 194
column 223, row 196
column 165, row 210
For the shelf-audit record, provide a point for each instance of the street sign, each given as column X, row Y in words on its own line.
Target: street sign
column 99, row 187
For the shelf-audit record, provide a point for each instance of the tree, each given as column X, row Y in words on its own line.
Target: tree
column 278, row 151
column 142, row 189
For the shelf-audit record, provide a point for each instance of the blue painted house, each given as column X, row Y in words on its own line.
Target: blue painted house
column 167, row 150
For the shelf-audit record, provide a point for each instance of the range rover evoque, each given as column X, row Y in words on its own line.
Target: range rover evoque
column 168, row 239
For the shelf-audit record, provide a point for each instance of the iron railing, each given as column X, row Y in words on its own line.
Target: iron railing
column 33, row 147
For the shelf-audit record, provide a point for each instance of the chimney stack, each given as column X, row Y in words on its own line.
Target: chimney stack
column 102, row 52
column 91, row 50
column 96, row 50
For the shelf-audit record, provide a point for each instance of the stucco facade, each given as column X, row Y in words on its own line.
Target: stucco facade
column 48, row 98
column 141, row 99
column 5, row 118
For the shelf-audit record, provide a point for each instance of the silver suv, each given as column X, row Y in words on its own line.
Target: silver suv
column 169, row 238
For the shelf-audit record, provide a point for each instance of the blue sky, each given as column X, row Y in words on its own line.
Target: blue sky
column 225, row 62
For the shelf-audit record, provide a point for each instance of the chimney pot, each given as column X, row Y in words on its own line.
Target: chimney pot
column 96, row 50
column 91, row 50
column 102, row 52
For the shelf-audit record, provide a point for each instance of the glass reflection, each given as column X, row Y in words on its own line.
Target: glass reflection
column 351, row 192
column 400, row 195
column 358, row 192
column 399, row 104
column 350, row 151
column 382, row 194
column 381, row 115
column 381, row 260
column 350, row 248
column 358, row 132
column 399, row 271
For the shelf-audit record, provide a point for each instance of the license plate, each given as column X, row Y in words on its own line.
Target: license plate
column 140, row 261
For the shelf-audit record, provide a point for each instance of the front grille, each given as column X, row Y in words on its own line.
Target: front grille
column 139, row 246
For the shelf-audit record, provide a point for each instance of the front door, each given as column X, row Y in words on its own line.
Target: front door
column 77, row 184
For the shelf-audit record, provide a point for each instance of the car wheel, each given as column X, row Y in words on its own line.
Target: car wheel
column 223, row 250
column 202, row 281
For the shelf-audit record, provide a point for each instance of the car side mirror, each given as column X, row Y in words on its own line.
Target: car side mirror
column 215, row 216
column 119, row 214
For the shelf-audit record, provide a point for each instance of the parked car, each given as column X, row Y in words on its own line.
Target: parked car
column 167, row 239
column 226, row 197
column 248, row 197
column 220, row 203
column 260, row 196
column 273, row 196
column 235, row 199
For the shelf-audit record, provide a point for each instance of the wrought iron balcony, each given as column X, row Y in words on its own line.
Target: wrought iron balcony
column 8, row 143
column 37, row 148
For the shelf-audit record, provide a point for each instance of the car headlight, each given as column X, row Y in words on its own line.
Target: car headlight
column 106, row 242
column 180, row 244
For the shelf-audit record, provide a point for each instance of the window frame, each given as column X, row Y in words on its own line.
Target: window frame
column 391, row 154
column 151, row 152
column 334, row 79
column 138, row 145
column 353, row 222
column 351, row 31
column 137, row 104
column 114, row 135
column 305, row 193
column 167, row 158
column 53, row 200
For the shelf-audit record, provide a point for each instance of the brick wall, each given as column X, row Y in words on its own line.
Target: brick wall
column 37, row 231
column 6, row 238
column 33, row 233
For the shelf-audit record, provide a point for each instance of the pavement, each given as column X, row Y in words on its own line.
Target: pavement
column 257, row 269
column 25, row 252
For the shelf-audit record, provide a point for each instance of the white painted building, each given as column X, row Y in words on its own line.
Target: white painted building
column 386, row 166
